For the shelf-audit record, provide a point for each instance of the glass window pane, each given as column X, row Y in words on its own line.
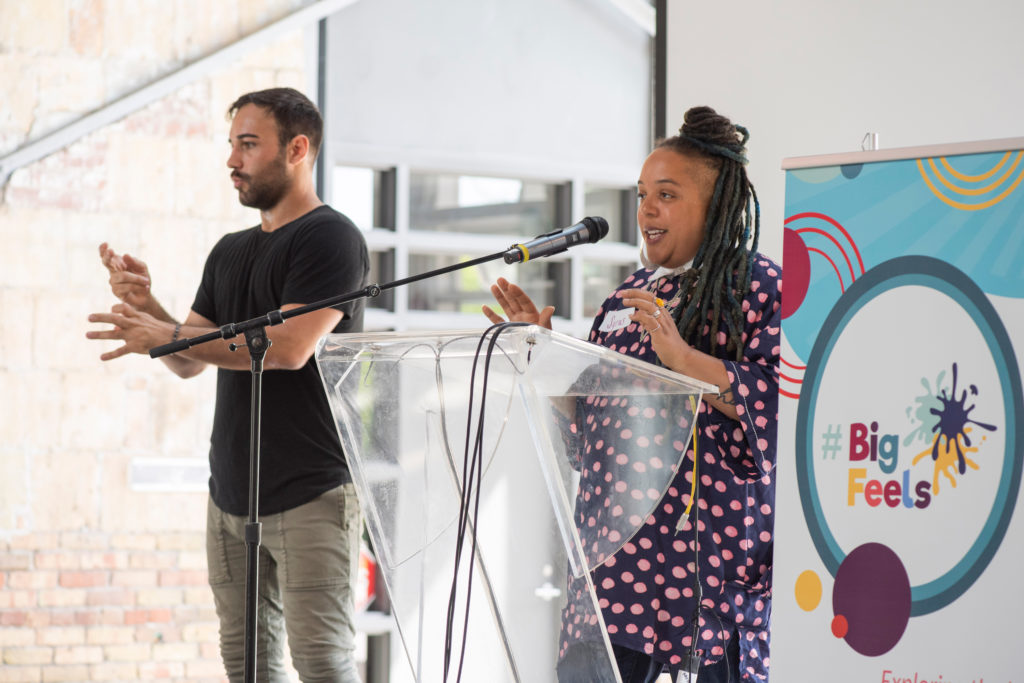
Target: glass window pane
column 617, row 206
column 353, row 194
column 478, row 205
column 464, row 291
column 382, row 271
column 599, row 280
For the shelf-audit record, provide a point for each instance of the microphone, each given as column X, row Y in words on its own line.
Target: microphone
column 587, row 230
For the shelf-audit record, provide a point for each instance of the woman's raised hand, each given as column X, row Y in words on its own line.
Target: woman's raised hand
column 517, row 306
column 652, row 315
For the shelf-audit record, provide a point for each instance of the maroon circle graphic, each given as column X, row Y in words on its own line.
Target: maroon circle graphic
column 872, row 594
column 796, row 263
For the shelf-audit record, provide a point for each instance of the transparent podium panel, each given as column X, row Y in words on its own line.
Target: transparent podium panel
column 494, row 479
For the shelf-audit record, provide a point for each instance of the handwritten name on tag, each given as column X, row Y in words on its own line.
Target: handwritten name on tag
column 616, row 320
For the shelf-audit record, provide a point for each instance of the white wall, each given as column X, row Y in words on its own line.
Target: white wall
column 506, row 84
column 554, row 90
column 810, row 77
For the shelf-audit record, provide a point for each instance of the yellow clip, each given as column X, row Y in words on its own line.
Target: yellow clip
column 693, row 482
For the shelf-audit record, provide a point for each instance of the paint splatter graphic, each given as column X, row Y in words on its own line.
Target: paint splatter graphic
column 954, row 416
column 948, row 459
column 951, row 443
column 920, row 413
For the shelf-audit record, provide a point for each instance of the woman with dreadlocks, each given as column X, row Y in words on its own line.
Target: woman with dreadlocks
column 707, row 306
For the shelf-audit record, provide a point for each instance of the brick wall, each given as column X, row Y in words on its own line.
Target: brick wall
column 101, row 580
column 105, row 607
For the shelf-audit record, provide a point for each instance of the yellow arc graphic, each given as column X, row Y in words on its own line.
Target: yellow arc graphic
column 973, row 191
column 975, row 178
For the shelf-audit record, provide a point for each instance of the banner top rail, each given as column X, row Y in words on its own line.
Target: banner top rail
column 897, row 153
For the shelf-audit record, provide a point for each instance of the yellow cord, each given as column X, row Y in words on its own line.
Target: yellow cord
column 693, row 484
column 683, row 518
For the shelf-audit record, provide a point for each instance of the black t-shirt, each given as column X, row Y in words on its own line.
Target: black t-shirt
column 249, row 273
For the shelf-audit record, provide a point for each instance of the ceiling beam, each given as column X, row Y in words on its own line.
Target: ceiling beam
column 640, row 11
column 116, row 110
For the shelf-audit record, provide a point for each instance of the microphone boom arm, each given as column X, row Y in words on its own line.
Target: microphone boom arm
column 277, row 317
column 588, row 230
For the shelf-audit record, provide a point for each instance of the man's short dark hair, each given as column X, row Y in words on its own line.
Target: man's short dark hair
column 294, row 113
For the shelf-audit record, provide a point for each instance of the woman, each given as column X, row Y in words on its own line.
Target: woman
column 707, row 306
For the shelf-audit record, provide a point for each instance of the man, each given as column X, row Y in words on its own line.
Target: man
column 302, row 251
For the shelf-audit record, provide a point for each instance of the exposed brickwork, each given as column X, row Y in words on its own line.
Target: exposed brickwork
column 72, row 619
column 100, row 581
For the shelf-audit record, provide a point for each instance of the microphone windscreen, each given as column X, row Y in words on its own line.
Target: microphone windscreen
column 598, row 227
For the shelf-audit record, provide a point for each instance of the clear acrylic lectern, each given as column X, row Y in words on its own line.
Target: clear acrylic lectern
column 554, row 501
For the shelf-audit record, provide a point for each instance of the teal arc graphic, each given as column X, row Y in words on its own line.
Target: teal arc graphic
column 939, row 275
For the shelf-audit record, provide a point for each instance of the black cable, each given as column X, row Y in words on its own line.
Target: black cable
column 473, row 495
column 697, row 590
column 460, row 528
column 472, row 465
column 725, row 648
column 479, row 464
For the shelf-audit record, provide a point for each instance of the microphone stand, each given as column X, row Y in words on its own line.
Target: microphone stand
column 258, row 343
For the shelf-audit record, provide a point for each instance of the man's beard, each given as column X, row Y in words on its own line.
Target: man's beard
column 264, row 192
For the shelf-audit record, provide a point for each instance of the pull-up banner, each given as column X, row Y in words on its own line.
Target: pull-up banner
column 900, row 544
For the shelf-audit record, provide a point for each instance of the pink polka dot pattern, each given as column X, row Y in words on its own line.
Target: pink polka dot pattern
column 646, row 587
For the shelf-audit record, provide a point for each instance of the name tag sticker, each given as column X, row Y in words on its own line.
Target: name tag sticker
column 616, row 320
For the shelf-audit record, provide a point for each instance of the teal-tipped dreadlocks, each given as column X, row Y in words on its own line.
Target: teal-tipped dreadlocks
column 720, row 275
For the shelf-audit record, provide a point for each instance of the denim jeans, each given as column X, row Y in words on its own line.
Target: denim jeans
column 308, row 562
column 637, row 667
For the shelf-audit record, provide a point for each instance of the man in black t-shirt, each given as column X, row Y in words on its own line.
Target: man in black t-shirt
column 301, row 252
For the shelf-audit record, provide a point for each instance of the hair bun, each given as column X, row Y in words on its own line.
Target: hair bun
column 704, row 124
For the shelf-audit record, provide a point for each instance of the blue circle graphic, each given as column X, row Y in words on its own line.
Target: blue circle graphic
column 939, row 275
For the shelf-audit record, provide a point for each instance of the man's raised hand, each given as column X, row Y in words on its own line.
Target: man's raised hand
column 129, row 277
